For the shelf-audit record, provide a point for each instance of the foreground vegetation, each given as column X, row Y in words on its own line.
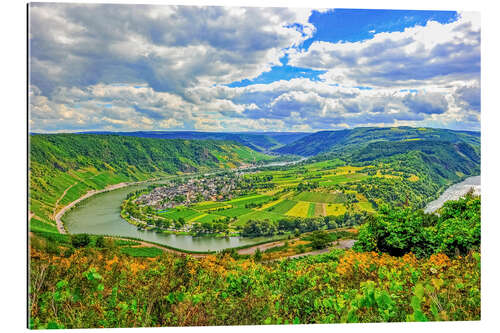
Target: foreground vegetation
column 404, row 266
column 87, row 281
column 109, row 289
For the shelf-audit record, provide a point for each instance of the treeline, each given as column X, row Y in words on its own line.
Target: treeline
column 298, row 225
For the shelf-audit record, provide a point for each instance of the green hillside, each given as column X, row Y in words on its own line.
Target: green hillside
column 343, row 140
column 77, row 163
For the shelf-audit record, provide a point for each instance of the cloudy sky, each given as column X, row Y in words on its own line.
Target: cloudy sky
column 137, row 67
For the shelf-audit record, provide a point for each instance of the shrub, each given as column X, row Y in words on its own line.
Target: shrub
column 99, row 242
column 80, row 240
column 319, row 239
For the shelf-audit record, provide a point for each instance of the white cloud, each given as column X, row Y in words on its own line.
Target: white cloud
column 421, row 55
column 168, row 47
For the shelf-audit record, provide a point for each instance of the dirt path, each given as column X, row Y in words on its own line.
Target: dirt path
column 340, row 244
column 60, row 198
column 262, row 247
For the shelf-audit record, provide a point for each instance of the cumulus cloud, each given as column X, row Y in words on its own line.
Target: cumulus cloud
column 434, row 53
column 118, row 67
column 167, row 47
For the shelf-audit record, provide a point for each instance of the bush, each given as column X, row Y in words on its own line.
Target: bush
column 99, row 242
column 80, row 240
column 319, row 239
column 398, row 231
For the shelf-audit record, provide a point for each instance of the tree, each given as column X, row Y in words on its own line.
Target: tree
column 99, row 242
column 257, row 255
column 80, row 240
column 320, row 239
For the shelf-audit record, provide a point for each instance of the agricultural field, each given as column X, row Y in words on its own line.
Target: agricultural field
column 313, row 190
column 301, row 209
column 320, row 197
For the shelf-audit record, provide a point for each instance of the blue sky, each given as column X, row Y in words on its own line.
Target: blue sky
column 276, row 69
column 351, row 25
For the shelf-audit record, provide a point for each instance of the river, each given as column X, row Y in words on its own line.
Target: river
column 100, row 215
column 455, row 192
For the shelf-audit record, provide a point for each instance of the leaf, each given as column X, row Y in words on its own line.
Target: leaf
column 419, row 290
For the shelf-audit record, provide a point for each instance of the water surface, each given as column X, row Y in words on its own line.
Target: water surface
column 100, row 215
column 455, row 192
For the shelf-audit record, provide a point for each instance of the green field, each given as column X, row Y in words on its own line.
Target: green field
column 209, row 205
column 337, row 179
column 234, row 212
column 209, row 218
column 365, row 206
column 253, row 200
column 177, row 213
column 282, row 207
column 311, row 210
column 36, row 224
column 258, row 215
column 141, row 251
column 320, row 197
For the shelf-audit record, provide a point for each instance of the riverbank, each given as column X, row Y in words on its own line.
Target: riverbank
column 59, row 215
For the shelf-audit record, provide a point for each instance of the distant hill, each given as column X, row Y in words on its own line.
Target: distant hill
column 82, row 162
column 258, row 141
column 344, row 140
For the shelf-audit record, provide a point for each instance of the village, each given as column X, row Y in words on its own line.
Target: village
column 193, row 190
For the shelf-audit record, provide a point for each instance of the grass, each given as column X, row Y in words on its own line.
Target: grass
column 177, row 213
column 282, row 207
column 234, row 212
column 367, row 206
column 344, row 178
column 149, row 252
column 254, row 200
column 311, row 210
column 335, row 209
column 208, row 205
column 125, row 242
column 37, row 225
column 301, row 209
column 258, row 215
column 209, row 218
column 320, row 197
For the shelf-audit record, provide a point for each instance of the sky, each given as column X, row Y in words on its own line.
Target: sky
column 141, row 67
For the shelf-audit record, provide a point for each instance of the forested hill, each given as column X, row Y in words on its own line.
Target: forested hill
column 81, row 162
column 259, row 141
column 345, row 140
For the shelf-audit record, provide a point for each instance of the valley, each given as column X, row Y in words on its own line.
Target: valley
column 220, row 228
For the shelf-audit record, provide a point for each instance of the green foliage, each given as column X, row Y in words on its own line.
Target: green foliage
column 349, row 139
column 99, row 242
column 141, row 251
column 110, row 289
column 320, row 239
column 398, row 231
column 80, row 240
